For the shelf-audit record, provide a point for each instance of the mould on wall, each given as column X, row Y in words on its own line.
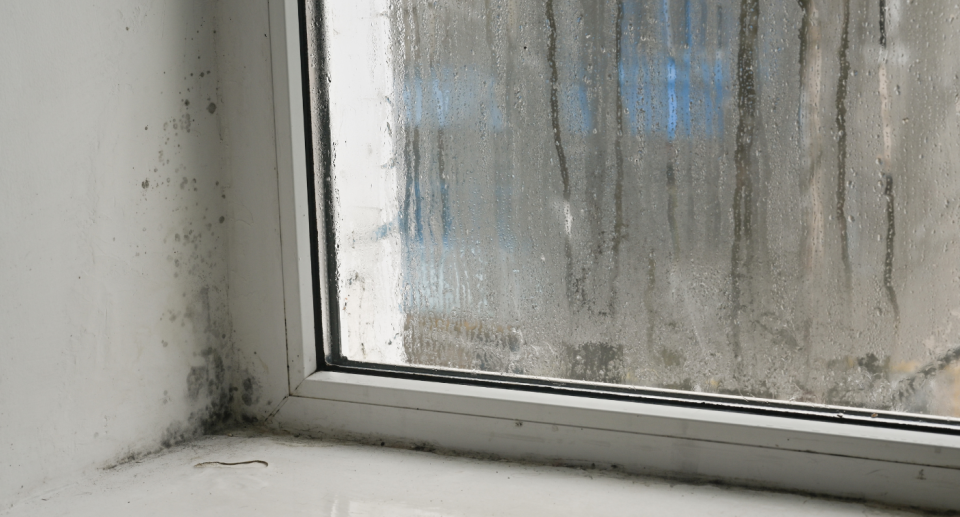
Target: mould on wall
column 179, row 207
column 207, row 378
column 208, row 383
column 199, row 319
column 250, row 391
column 149, row 310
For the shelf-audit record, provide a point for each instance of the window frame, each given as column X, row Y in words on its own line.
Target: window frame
column 891, row 458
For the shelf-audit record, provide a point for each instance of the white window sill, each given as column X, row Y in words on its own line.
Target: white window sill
column 308, row 477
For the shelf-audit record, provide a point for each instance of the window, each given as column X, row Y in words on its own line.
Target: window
column 650, row 194
column 677, row 234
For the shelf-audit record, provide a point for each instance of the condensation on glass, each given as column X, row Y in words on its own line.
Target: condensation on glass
column 747, row 197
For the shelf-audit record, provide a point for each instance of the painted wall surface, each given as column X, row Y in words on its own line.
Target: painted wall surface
column 115, row 335
column 249, row 160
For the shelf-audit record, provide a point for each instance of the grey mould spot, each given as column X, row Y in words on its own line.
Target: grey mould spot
column 206, row 384
column 212, row 108
column 209, row 378
column 247, row 395
column 145, row 184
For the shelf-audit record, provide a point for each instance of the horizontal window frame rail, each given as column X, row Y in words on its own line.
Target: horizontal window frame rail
column 750, row 429
column 645, row 395
column 894, row 466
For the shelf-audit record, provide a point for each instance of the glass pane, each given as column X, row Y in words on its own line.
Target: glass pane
column 744, row 197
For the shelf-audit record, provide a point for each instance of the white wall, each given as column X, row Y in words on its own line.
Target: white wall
column 249, row 160
column 128, row 161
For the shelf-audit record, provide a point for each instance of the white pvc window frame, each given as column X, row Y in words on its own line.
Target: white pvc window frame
column 895, row 466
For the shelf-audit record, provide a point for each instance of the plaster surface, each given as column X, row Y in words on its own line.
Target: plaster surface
column 292, row 476
column 139, row 181
column 114, row 325
column 249, row 161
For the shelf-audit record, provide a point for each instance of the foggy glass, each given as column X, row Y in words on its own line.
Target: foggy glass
column 746, row 197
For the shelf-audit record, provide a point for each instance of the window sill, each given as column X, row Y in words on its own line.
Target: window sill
column 307, row 477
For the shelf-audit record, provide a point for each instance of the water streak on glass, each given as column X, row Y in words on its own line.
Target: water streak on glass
column 746, row 197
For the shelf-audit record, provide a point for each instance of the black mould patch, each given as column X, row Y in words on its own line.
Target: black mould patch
column 424, row 447
column 250, row 392
column 176, row 433
column 145, row 184
column 212, row 108
column 209, row 419
column 206, row 379
column 208, row 387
